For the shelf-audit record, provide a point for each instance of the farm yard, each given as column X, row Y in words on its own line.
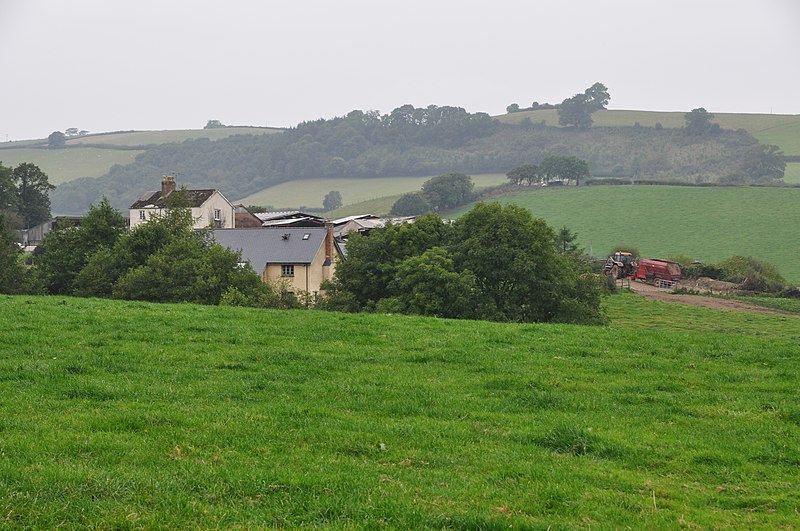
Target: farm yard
column 126, row 414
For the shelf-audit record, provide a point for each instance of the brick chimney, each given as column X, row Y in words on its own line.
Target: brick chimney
column 328, row 243
column 167, row 185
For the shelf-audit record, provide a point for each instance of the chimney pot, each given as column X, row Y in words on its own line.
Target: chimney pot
column 167, row 185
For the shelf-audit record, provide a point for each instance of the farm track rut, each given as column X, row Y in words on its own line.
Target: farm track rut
column 659, row 294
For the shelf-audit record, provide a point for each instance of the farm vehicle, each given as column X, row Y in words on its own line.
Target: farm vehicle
column 620, row 265
column 659, row 273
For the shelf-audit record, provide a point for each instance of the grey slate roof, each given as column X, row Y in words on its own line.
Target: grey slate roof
column 194, row 198
column 262, row 246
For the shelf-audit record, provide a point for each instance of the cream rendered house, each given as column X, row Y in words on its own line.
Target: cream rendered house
column 209, row 207
column 302, row 257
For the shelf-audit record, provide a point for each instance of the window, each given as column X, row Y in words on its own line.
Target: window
column 141, row 215
column 306, row 236
column 217, row 214
column 287, row 270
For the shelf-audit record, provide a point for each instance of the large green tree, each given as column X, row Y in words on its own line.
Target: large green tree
column 32, row 193
column 429, row 284
column 332, row 200
column 368, row 275
column 9, row 197
column 12, row 272
column 569, row 168
column 411, row 204
column 699, row 121
column 448, row 191
column 518, row 269
column 56, row 140
column 577, row 110
column 527, row 173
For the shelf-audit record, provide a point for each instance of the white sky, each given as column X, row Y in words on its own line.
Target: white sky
column 106, row 65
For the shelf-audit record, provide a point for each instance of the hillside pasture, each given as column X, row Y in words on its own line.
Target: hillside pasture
column 146, row 138
column 379, row 207
column 311, row 192
column 792, row 174
column 782, row 130
column 64, row 165
column 785, row 136
column 708, row 224
column 135, row 415
column 79, row 160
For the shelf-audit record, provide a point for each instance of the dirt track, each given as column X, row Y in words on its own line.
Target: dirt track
column 652, row 292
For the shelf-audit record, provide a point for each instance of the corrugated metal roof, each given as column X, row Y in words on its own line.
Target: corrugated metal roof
column 285, row 214
column 262, row 246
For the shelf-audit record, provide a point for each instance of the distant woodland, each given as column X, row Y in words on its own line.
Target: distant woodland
column 413, row 141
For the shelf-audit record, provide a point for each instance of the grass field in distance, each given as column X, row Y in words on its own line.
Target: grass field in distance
column 782, row 130
column 120, row 414
column 708, row 224
column 311, row 192
column 64, row 165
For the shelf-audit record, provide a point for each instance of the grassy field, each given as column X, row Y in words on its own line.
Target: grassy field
column 311, row 192
column 708, row 224
column 134, row 415
column 792, row 175
column 63, row 165
column 782, row 130
column 378, row 207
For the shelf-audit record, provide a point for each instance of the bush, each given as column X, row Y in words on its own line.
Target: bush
column 752, row 274
column 411, row 204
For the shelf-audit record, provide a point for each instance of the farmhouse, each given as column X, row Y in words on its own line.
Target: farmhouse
column 303, row 257
column 209, row 207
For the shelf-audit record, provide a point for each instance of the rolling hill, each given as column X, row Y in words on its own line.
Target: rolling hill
column 782, row 130
column 95, row 154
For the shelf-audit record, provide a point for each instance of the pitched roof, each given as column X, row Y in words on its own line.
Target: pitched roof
column 262, row 246
column 155, row 199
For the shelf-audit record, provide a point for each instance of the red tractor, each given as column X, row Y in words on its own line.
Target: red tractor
column 620, row 265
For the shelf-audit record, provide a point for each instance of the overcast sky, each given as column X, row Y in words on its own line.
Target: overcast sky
column 107, row 65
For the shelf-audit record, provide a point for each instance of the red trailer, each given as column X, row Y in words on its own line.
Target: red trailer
column 660, row 273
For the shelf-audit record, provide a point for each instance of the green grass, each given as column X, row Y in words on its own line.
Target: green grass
column 63, row 165
column 378, row 207
column 792, row 174
column 311, row 192
column 782, row 130
column 776, row 303
column 122, row 415
column 708, row 224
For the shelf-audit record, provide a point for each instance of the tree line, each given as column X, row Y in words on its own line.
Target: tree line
column 428, row 141
column 495, row 263
column 163, row 260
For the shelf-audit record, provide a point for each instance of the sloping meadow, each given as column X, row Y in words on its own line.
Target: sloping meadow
column 120, row 414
